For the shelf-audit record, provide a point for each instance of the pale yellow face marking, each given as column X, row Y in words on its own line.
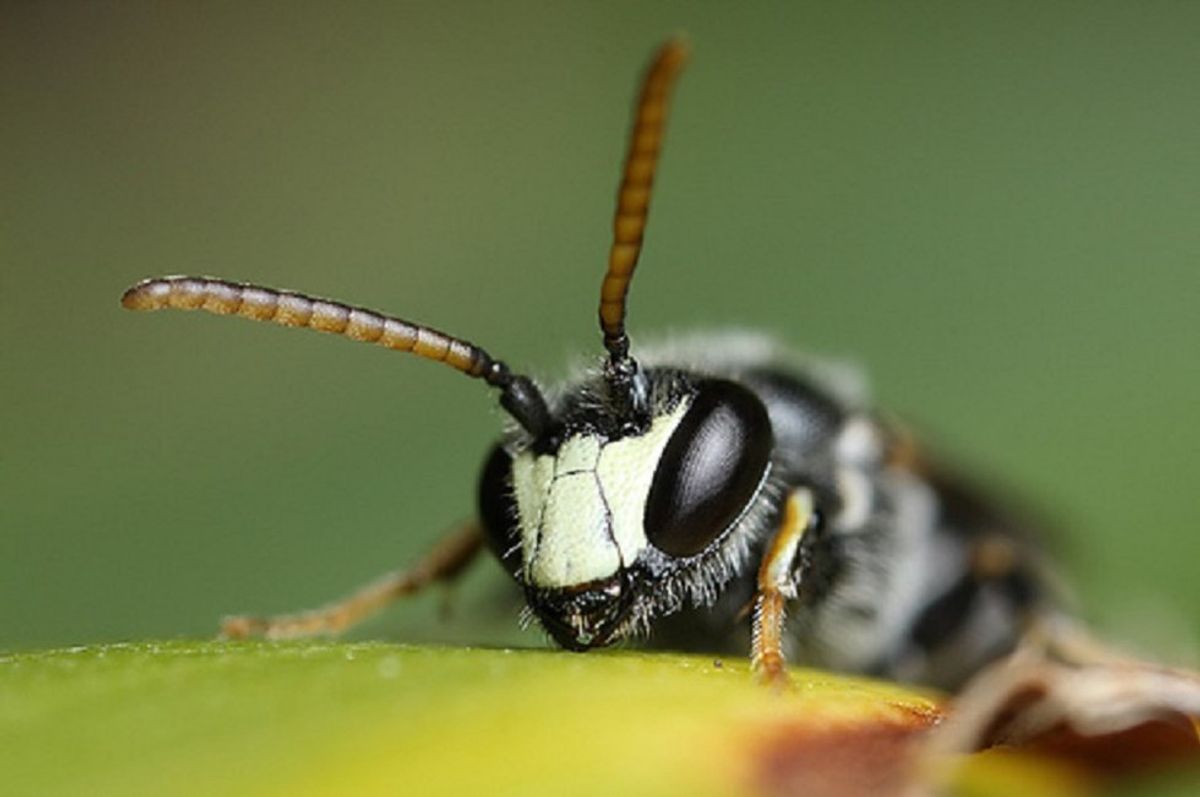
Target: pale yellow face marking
column 531, row 485
column 626, row 472
column 568, row 499
column 574, row 547
column 581, row 511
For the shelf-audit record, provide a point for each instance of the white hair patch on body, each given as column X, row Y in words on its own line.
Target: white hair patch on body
column 859, row 442
column 914, row 570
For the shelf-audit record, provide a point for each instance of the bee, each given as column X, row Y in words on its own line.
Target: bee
column 667, row 493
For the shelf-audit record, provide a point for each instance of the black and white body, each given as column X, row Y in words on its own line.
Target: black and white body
column 657, row 530
column 667, row 494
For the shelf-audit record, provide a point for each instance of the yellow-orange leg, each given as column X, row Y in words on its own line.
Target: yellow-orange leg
column 443, row 562
column 776, row 587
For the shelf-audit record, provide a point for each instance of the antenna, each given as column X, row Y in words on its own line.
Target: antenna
column 633, row 202
column 519, row 396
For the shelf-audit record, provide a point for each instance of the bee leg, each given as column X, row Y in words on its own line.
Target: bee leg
column 442, row 563
column 776, row 586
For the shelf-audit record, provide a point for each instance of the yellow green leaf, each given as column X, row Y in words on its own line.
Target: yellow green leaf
column 316, row 718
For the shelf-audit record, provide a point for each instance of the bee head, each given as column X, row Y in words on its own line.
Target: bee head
column 588, row 517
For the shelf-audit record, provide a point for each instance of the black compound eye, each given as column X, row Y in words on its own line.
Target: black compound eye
column 710, row 470
column 498, row 508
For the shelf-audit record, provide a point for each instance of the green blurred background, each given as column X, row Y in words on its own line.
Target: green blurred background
column 993, row 208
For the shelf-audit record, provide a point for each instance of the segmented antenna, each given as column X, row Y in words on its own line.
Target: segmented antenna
column 519, row 396
column 633, row 199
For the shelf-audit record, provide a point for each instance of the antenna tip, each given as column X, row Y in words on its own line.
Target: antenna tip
column 676, row 50
column 149, row 294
